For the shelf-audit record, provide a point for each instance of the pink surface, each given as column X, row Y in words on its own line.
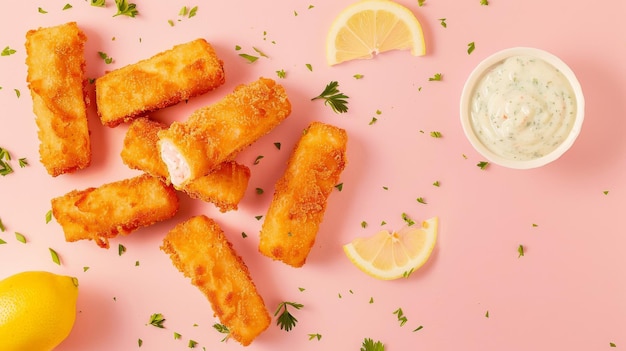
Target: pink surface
column 568, row 292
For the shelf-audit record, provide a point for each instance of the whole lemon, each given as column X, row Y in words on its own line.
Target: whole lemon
column 37, row 310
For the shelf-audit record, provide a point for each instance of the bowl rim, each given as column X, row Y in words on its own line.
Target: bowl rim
column 476, row 75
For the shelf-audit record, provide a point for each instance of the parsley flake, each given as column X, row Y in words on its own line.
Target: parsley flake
column 126, row 9
column 408, row 219
column 358, row 76
column 259, row 191
column 258, row 159
column 98, row 3
column 309, row 67
column 401, row 317
column 41, row 10
column 107, row 59
column 281, row 73
column 482, row 164
column 20, row 237
column 520, row 250
column 339, row 186
column 156, row 319
column 484, row 2
column 421, row 200
column 286, row 320
column 67, row 7
column 249, row 58
column 192, row 344
column 121, row 249
column 370, row 345
column 315, row 336
column 55, row 256
column 470, row 47
column 435, row 134
column 437, row 77
column 277, row 145
column 333, row 97
column 48, row 216
column 443, row 23
column 2, row 227
column 222, row 329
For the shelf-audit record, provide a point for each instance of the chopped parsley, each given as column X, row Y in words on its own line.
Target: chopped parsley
column 373, row 120
column 126, row 9
column 401, row 317
column 436, row 183
column 20, row 237
column 484, row 2
column 2, row 227
column 17, row 93
column 418, row 328
column 249, row 58
column 177, row 336
column 261, row 53
column 520, row 250
column 339, row 186
column 443, row 23
column 48, row 216
column 358, row 76
column 285, row 319
column 309, row 67
column 363, row 224
column 107, row 59
column 259, row 191
column 470, row 48
column 41, row 10
column 121, row 249
column 186, row 12
column 157, row 320
column 281, row 73
column 482, row 164
column 487, row 314
column 98, row 3
column 315, row 336
column 333, row 97
column 192, row 344
column 435, row 134
column 258, row 159
column 436, row 77
column 222, row 329
column 420, row 3
column 67, row 7
column 277, row 145
column 408, row 219
column 55, row 256
column 421, row 200
column 23, row 162
column 371, row 345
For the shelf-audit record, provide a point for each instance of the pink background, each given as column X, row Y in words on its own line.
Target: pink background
column 568, row 292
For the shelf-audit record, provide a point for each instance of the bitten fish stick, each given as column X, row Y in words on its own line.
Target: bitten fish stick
column 214, row 134
column 199, row 249
column 56, row 63
column 225, row 186
column 301, row 195
column 115, row 208
column 172, row 76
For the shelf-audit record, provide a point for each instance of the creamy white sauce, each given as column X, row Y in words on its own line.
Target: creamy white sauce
column 523, row 108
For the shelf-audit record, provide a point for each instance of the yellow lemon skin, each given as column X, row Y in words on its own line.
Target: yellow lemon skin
column 37, row 310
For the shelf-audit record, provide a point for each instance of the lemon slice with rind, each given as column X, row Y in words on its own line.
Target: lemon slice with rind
column 369, row 27
column 387, row 256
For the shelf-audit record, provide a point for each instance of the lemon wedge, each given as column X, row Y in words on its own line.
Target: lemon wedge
column 395, row 255
column 369, row 27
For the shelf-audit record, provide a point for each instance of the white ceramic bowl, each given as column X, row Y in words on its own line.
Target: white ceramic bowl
column 470, row 88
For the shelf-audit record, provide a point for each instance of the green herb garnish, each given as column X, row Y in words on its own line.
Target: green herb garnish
column 55, row 256
column 20, row 237
column 249, row 58
column 156, row 319
column 277, row 145
column 259, row 191
column 98, row 3
column 309, row 67
column 482, row 164
column 315, row 336
column 2, row 227
column 126, row 9
column 222, row 329
column 443, row 23
column 121, row 249
column 408, row 219
column 421, row 200
column 286, row 320
column 484, row 2
column 333, row 97
column 258, row 159
column 470, row 47
column 435, row 134
column 370, row 345
column 107, row 59
column 339, row 186
column 41, row 10
column 418, row 328
column 401, row 317
column 67, row 7
column 520, row 250
column 358, row 76
column 436, row 77
column 192, row 344
column 436, row 183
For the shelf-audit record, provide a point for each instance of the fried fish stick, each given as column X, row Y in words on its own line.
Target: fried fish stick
column 217, row 132
column 172, row 76
column 199, row 249
column 115, row 208
column 56, row 63
column 301, row 194
column 225, row 186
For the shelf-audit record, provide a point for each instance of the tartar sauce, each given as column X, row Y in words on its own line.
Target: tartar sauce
column 523, row 108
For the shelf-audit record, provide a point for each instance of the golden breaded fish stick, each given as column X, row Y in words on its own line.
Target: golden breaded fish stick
column 172, row 76
column 199, row 249
column 115, row 208
column 225, row 186
column 56, row 63
column 301, row 194
column 217, row 132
